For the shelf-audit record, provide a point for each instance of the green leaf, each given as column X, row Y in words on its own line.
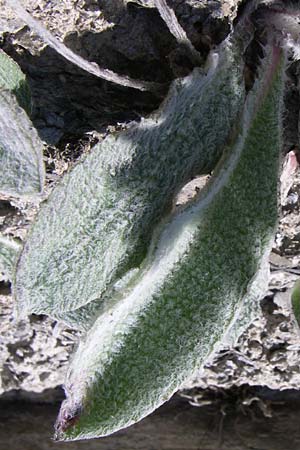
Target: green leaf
column 97, row 224
column 9, row 250
column 250, row 309
column 169, row 320
column 296, row 301
column 13, row 79
column 21, row 159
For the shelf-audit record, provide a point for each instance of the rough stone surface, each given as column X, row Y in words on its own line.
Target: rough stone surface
column 33, row 351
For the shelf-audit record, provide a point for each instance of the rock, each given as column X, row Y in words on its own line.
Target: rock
column 109, row 34
column 34, row 351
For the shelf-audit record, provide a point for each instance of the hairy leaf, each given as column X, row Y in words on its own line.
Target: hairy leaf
column 9, row 249
column 21, row 160
column 295, row 300
column 13, row 79
column 169, row 320
column 97, row 224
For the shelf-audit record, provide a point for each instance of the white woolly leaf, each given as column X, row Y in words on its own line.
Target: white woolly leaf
column 9, row 250
column 21, row 160
column 97, row 224
column 169, row 320
column 13, row 79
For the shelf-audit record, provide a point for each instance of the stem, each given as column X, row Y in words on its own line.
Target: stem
column 176, row 29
